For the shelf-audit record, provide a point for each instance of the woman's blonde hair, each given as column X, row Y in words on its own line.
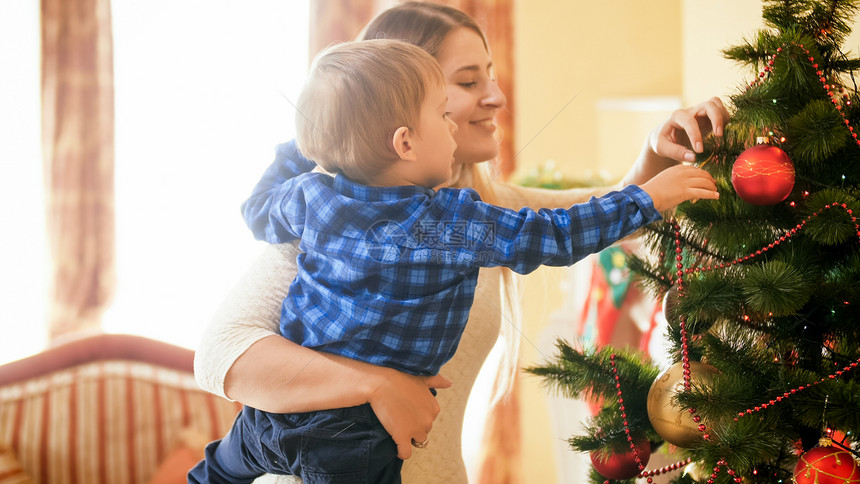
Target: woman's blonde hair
column 356, row 96
column 426, row 25
column 420, row 23
column 479, row 176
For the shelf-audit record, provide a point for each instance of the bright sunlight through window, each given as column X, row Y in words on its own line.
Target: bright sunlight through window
column 22, row 213
column 203, row 94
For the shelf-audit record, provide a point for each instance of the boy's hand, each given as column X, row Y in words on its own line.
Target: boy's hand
column 679, row 184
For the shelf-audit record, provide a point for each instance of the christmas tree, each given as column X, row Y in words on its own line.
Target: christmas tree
column 761, row 288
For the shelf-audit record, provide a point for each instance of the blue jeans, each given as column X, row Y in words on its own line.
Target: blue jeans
column 345, row 445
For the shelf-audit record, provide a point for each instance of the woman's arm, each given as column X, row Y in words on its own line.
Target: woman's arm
column 666, row 146
column 243, row 357
column 280, row 376
column 250, row 313
column 516, row 197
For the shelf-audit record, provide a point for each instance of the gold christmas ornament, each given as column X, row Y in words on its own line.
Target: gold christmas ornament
column 670, row 306
column 673, row 423
column 694, row 471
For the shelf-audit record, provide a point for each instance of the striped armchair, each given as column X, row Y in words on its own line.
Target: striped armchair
column 110, row 409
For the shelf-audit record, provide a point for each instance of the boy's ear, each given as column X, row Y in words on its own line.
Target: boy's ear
column 402, row 142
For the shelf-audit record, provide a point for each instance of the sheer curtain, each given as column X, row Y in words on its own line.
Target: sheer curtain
column 202, row 92
column 78, row 154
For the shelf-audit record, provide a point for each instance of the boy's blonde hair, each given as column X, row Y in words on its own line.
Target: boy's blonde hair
column 356, row 96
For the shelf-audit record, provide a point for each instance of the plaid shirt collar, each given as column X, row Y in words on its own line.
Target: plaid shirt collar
column 351, row 189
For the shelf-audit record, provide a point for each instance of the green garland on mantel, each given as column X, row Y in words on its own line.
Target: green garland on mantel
column 547, row 175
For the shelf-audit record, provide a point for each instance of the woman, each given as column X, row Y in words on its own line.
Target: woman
column 245, row 359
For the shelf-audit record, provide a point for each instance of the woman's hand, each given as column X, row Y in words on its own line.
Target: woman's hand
column 405, row 406
column 279, row 376
column 683, row 132
column 678, row 139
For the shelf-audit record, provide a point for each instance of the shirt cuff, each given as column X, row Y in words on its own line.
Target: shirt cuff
column 644, row 201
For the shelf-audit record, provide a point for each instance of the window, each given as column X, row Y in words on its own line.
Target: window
column 22, row 214
column 204, row 92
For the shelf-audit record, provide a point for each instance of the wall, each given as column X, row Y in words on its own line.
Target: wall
column 710, row 27
column 581, row 66
column 572, row 54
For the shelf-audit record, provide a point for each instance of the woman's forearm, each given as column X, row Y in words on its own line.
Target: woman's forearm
column 277, row 375
column 244, row 358
column 648, row 164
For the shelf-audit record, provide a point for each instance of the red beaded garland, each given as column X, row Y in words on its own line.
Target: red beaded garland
column 793, row 391
column 636, row 448
column 685, row 353
column 720, row 464
column 639, row 460
column 827, row 87
column 789, row 234
column 684, row 338
column 665, row 469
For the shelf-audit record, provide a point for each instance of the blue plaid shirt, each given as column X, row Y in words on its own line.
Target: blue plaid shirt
column 388, row 274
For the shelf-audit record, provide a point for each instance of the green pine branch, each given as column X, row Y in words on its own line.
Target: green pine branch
column 587, row 374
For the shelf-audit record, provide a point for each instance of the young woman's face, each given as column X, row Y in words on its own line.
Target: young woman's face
column 473, row 95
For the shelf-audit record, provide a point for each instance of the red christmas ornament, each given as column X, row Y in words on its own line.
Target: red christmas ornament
column 623, row 466
column 763, row 175
column 826, row 464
